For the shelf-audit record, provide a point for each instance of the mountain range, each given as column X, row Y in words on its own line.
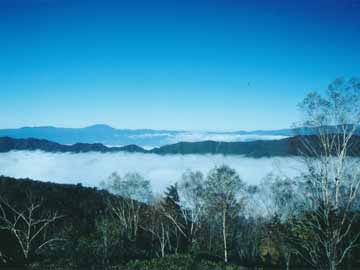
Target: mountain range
column 147, row 138
column 261, row 148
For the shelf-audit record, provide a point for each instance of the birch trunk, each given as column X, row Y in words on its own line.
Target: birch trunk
column 224, row 235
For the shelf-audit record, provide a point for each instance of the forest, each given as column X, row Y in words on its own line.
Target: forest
column 210, row 220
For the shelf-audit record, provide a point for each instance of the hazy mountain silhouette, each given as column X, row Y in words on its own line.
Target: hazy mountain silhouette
column 145, row 137
column 267, row 148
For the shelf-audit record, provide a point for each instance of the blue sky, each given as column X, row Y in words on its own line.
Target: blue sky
column 172, row 64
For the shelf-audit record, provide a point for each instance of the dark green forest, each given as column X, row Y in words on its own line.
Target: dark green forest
column 292, row 146
column 89, row 234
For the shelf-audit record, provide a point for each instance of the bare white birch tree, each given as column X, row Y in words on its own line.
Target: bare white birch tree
column 280, row 197
column 332, row 180
column 192, row 191
column 222, row 191
column 187, row 219
column 134, row 190
column 28, row 225
column 159, row 225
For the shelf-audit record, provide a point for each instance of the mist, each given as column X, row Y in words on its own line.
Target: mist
column 90, row 169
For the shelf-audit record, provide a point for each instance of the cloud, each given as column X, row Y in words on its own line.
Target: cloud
column 170, row 138
column 91, row 168
column 223, row 137
column 150, row 135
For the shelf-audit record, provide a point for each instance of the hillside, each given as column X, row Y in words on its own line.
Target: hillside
column 8, row 144
column 81, row 208
column 267, row 148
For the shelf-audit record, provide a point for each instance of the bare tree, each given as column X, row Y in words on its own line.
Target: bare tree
column 280, row 197
column 158, row 225
column 191, row 191
column 107, row 238
column 277, row 195
column 222, row 192
column 134, row 190
column 331, row 183
column 191, row 206
column 28, row 225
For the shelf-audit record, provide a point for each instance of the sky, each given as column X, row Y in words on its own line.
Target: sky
column 171, row 64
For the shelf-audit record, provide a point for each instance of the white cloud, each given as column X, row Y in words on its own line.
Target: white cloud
column 90, row 168
column 150, row 135
column 223, row 137
column 160, row 139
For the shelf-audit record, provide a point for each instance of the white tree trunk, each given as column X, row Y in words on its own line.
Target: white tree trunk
column 224, row 235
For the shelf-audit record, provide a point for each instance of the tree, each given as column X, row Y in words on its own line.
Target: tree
column 332, row 178
column 191, row 190
column 28, row 225
column 107, row 239
column 134, row 190
column 222, row 191
column 158, row 225
column 280, row 197
column 170, row 208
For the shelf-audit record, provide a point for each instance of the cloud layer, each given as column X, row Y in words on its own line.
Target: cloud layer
column 169, row 138
column 91, row 168
column 223, row 137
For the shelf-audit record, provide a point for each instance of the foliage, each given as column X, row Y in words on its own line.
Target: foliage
column 178, row 262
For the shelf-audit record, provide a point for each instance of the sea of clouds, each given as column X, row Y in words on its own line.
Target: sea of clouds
column 163, row 138
column 90, row 169
column 222, row 137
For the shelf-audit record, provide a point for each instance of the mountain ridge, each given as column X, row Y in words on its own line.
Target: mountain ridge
column 107, row 135
column 260, row 148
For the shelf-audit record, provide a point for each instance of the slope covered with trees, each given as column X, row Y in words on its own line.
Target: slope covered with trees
column 202, row 221
column 292, row 146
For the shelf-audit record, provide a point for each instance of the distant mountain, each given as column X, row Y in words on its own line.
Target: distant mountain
column 291, row 146
column 283, row 147
column 107, row 135
column 93, row 134
column 8, row 144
